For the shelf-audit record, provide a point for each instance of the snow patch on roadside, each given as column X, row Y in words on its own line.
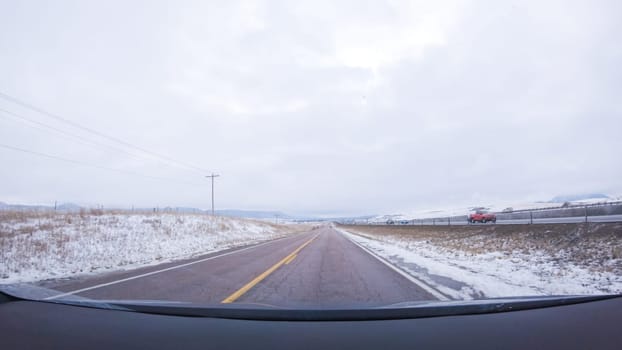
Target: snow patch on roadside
column 64, row 245
column 466, row 276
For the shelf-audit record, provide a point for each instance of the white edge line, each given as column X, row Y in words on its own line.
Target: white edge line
column 157, row 271
column 409, row 277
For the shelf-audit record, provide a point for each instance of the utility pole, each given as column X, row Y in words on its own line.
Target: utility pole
column 212, row 177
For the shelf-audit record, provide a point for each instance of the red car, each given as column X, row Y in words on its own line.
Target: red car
column 482, row 216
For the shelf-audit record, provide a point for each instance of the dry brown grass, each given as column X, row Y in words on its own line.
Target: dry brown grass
column 590, row 245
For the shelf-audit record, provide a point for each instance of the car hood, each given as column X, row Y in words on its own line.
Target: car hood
column 255, row 311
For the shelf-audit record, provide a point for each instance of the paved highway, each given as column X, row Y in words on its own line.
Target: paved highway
column 559, row 220
column 319, row 268
column 566, row 220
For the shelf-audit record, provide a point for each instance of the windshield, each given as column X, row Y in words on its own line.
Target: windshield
column 310, row 154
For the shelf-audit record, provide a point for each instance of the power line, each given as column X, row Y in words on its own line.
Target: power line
column 93, row 165
column 95, row 132
column 68, row 135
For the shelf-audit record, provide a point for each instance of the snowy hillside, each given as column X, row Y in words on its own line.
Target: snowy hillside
column 495, row 207
column 36, row 246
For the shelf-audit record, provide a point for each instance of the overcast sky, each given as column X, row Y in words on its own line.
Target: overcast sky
column 319, row 107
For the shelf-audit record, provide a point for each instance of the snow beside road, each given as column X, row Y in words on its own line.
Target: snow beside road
column 464, row 276
column 43, row 246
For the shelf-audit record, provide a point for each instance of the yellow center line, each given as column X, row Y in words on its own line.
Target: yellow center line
column 233, row 297
column 291, row 258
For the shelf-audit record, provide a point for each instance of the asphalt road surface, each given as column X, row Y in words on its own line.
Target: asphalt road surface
column 566, row 220
column 559, row 220
column 319, row 268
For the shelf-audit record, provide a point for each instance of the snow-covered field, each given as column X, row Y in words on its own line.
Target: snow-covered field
column 468, row 265
column 36, row 246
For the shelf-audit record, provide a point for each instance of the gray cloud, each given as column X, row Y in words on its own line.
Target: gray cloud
column 315, row 107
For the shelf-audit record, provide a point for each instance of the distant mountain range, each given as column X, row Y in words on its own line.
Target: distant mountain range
column 249, row 214
column 578, row 197
column 238, row 213
column 267, row 214
column 65, row 207
column 71, row 207
column 255, row 214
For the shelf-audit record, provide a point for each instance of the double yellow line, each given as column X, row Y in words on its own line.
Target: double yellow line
column 286, row 260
